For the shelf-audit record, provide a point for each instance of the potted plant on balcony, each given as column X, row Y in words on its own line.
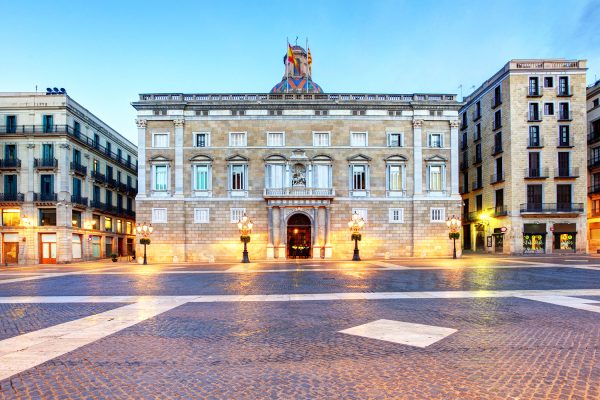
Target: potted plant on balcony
column 114, row 257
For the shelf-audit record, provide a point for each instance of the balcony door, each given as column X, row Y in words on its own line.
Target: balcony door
column 534, row 197
column 563, row 197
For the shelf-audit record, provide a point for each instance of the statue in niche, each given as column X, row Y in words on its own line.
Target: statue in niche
column 299, row 175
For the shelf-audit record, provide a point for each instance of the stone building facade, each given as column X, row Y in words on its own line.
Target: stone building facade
column 68, row 182
column 523, row 159
column 298, row 162
column 593, row 140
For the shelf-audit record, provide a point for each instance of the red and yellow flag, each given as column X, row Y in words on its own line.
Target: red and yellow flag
column 292, row 59
column 309, row 61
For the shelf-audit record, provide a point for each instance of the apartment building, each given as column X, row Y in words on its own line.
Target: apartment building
column 523, row 159
column 593, row 140
column 68, row 185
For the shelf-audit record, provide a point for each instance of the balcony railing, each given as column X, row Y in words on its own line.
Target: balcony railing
column 595, row 212
column 594, row 189
column 78, row 168
column 111, row 182
column 566, row 172
column 535, row 143
column 473, row 216
column 564, row 91
column 593, row 137
column 71, row 132
column 82, row 201
column 500, row 211
column 551, row 207
column 497, row 149
column 536, row 173
column 477, row 185
column 534, row 117
column 45, row 197
column 594, row 162
column 497, row 178
column 565, row 115
column 10, row 163
column 299, row 192
column 12, row 197
column 45, row 163
column 130, row 191
column 496, row 101
column 98, row 205
column 98, row 177
column 476, row 158
column 496, row 125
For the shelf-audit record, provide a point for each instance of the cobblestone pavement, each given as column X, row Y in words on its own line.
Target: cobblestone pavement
column 503, row 348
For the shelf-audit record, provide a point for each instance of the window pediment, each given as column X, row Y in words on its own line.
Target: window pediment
column 275, row 158
column 396, row 158
column 201, row 158
column 160, row 158
column 359, row 158
column 436, row 158
column 237, row 158
column 322, row 158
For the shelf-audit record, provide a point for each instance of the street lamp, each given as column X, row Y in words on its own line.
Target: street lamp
column 355, row 224
column 145, row 231
column 454, row 224
column 245, row 226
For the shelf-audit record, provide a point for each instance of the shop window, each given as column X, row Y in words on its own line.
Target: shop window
column 11, row 217
column 76, row 219
column 108, row 224
column 47, row 217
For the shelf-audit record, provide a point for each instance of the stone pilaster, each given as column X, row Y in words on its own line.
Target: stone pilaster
column 141, row 124
column 282, row 234
column 179, row 157
column 64, row 155
column 454, row 171
column 418, row 156
column 328, row 253
column 317, row 238
column 270, row 234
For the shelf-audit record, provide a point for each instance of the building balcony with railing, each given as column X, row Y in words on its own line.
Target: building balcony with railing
column 98, row 177
column 565, row 115
column 564, row 91
column 289, row 192
column 477, row 159
column 593, row 137
column 10, row 164
column 45, row 163
column 500, row 211
column 79, row 200
column 463, row 189
column 78, row 168
column 594, row 212
column 594, row 189
column 534, row 116
column 536, row 173
column 98, row 205
column 131, row 191
column 496, row 125
column 535, row 91
column 497, row 178
column 111, row 182
column 535, row 143
column 49, row 197
column 497, row 149
column 477, row 184
column 566, row 172
column 551, row 208
column 594, row 162
column 12, row 198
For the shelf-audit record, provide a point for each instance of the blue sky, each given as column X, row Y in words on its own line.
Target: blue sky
column 106, row 52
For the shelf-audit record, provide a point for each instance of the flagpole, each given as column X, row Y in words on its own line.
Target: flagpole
column 287, row 61
column 307, row 66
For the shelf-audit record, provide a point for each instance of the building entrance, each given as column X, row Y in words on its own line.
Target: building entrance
column 299, row 238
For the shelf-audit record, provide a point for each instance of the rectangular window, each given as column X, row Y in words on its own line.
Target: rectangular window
column 76, row 219
column 396, row 215
column 477, row 132
column 10, row 152
column 159, row 215
column 96, row 222
column 359, row 177
column 362, row 213
column 96, row 140
column 11, row 217
column 548, row 108
column 160, row 140
column 435, row 178
column 10, row 187
column 46, row 185
column 321, row 139
column 358, row 139
column 534, row 196
column 563, row 197
column 534, row 89
column 119, row 226
column 108, row 224
column 395, row 140
column 499, row 198
column 11, row 123
column 238, row 177
column 321, row 176
column 497, row 120
column 563, row 85
column 435, row 140
column 237, row 139
column 563, row 136
column 128, row 228
column 48, row 123
column 563, row 163
column 202, row 140
column 563, row 111
column 201, row 177
column 275, row 139
column 534, row 112
column 201, row 215
column 47, row 151
column 108, row 198
column 236, row 214
column 534, row 164
column 275, row 174
column 395, row 177
column 534, row 136
column 548, row 81
column 160, row 177
column 478, row 202
column 437, row 214
column 47, row 216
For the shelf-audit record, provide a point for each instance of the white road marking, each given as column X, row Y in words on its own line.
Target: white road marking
column 407, row 333
column 386, row 265
column 572, row 302
column 54, row 275
column 26, row 351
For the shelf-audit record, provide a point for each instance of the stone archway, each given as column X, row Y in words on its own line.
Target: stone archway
column 299, row 236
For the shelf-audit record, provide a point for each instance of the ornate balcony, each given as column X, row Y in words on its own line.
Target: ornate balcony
column 78, row 169
column 10, row 164
column 45, row 163
column 79, row 201
column 291, row 192
column 45, row 197
column 551, row 208
column 11, row 198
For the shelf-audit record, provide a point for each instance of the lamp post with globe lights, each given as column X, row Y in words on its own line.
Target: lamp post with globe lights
column 454, row 224
column 144, row 230
column 245, row 226
column 355, row 225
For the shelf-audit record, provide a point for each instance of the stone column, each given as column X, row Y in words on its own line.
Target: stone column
column 179, row 157
column 317, row 239
column 63, row 171
column 328, row 251
column 418, row 156
column 141, row 124
column 270, row 237
column 282, row 234
column 454, row 157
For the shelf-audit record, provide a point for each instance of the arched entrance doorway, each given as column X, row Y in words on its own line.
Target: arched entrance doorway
column 299, row 238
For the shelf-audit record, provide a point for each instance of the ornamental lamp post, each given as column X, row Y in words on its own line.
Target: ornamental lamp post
column 355, row 225
column 245, row 226
column 454, row 224
column 144, row 230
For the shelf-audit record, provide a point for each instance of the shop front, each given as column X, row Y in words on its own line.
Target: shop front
column 10, row 248
column 498, row 236
column 534, row 238
column 47, row 248
column 565, row 238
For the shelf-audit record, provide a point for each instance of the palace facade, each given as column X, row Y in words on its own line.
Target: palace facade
column 298, row 162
